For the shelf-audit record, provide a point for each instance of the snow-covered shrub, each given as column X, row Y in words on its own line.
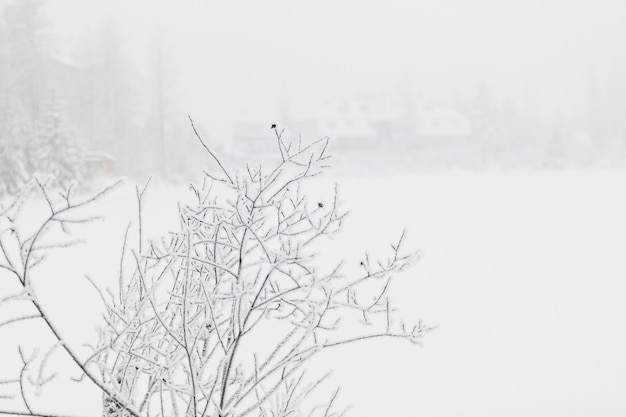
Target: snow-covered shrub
column 222, row 317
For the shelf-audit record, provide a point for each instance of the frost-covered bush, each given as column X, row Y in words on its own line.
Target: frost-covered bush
column 222, row 316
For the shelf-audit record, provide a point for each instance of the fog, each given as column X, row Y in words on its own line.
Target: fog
column 530, row 83
column 494, row 131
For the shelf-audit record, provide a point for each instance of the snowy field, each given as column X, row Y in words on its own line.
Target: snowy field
column 524, row 274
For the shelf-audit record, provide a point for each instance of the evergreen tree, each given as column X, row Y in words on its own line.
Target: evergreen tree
column 55, row 149
column 15, row 132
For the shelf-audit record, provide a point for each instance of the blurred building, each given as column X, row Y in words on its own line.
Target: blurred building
column 373, row 123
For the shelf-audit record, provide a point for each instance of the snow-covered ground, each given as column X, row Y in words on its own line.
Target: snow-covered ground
column 523, row 273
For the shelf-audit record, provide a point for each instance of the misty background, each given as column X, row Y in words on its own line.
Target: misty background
column 412, row 84
column 493, row 130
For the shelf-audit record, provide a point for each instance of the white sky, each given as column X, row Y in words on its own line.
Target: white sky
column 535, row 52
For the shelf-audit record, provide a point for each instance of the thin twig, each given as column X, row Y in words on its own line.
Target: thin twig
column 215, row 158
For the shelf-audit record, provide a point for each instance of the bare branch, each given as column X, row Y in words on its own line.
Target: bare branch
column 18, row 319
column 215, row 158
